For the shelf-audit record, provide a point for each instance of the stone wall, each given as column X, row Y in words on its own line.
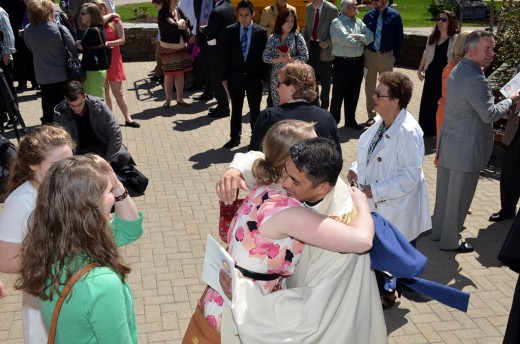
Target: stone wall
column 141, row 40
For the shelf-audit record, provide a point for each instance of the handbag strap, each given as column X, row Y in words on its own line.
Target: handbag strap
column 99, row 35
column 62, row 39
column 63, row 295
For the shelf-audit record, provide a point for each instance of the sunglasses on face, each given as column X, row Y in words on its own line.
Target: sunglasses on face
column 442, row 19
column 379, row 95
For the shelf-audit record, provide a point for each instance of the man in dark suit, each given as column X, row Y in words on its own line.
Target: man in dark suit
column 319, row 15
column 244, row 70
column 221, row 16
column 201, row 70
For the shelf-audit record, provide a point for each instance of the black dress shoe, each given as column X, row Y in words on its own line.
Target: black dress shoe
column 232, row 143
column 203, row 96
column 219, row 113
column 497, row 217
column 194, row 88
column 354, row 126
column 465, row 247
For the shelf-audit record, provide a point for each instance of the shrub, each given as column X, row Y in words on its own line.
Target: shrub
column 437, row 6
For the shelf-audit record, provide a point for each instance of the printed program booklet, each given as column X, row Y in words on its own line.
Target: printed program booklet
column 217, row 259
column 512, row 86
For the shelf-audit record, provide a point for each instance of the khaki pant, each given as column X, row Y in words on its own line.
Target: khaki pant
column 375, row 63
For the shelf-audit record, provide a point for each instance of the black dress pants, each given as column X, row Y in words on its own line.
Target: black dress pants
column 216, row 75
column 323, row 71
column 509, row 181
column 52, row 95
column 239, row 88
column 347, row 76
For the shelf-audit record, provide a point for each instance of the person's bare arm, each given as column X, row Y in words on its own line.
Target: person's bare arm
column 9, row 257
column 2, row 290
column 324, row 232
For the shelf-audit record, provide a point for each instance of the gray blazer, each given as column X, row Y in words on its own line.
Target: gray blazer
column 329, row 12
column 466, row 137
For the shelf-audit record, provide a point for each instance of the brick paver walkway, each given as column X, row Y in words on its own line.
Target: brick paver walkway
column 179, row 149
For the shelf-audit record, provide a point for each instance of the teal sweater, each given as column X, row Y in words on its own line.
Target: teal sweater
column 100, row 307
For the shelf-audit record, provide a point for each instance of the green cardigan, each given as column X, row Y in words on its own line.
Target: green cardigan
column 100, row 308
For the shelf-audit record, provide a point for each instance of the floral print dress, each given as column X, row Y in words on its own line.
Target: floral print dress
column 296, row 47
column 254, row 252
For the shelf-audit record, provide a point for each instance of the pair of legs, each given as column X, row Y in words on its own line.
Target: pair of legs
column 179, row 87
column 347, row 76
column 323, row 71
column 375, row 63
column 509, row 183
column 455, row 191
column 239, row 88
column 117, row 91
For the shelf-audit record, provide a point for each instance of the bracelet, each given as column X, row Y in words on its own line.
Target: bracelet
column 122, row 197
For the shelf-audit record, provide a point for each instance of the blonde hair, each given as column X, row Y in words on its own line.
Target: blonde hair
column 101, row 3
column 275, row 145
column 38, row 11
column 458, row 46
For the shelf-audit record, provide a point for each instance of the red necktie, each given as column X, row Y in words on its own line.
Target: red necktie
column 315, row 27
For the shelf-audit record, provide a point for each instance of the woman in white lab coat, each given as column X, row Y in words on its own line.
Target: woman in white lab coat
column 389, row 166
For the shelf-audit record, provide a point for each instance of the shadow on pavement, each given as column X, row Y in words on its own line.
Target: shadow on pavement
column 214, row 156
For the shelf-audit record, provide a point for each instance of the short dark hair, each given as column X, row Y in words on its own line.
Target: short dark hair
column 399, row 85
column 319, row 158
column 282, row 17
column 246, row 4
column 73, row 89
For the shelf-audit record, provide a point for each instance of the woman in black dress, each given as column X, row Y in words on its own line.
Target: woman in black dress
column 438, row 52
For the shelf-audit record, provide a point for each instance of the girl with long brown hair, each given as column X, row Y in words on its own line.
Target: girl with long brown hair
column 70, row 228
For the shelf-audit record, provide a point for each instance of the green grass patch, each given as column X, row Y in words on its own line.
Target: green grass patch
column 136, row 11
column 413, row 12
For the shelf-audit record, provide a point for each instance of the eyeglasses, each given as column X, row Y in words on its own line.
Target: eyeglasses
column 442, row 19
column 83, row 13
column 379, row 95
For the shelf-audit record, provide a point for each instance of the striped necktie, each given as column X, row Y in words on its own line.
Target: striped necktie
column 243, row 42
column 377, row 39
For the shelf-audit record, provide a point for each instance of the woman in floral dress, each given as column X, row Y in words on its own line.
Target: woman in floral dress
column 266, row 235
column 283, row 46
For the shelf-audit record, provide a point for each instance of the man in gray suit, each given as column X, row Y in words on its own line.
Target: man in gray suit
column 465, row 140
column 318, row 16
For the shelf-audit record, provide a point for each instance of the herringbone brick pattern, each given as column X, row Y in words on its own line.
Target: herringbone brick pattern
column 179, row 149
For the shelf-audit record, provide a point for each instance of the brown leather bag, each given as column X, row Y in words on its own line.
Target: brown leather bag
column 199, row 330
column 63, row 295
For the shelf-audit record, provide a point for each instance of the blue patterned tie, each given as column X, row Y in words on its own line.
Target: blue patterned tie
column 377, row 40
column 243, row 42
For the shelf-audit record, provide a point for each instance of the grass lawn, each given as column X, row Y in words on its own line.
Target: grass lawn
column 413, row 12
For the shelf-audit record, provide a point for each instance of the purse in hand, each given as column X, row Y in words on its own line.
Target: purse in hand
column 72, row 63
column 199, row 330
column 227, row 212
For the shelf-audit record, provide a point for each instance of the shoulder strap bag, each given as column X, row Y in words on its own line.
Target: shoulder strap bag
column 72, row 63
column 63, row 295
column 100, row 55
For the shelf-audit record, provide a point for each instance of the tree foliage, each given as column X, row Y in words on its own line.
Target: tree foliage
column 509, row 37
